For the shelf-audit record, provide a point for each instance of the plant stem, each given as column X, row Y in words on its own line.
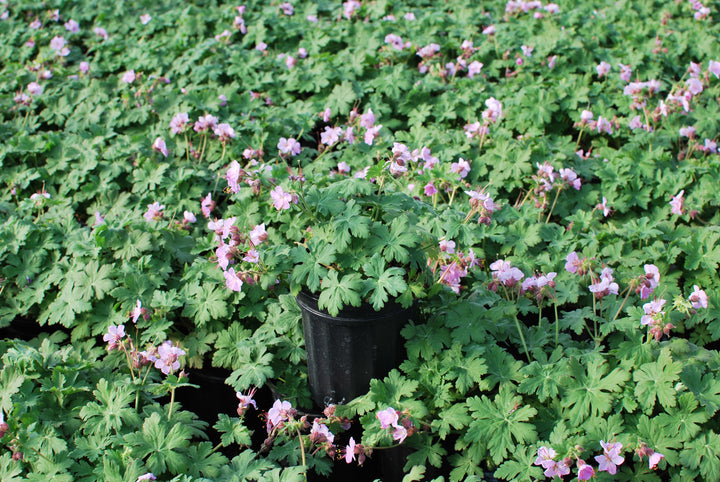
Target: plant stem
column 522, row 338
column 623, row 304
column 557, row 194
column 302, row 452
column 557, row 323
column 172, row 401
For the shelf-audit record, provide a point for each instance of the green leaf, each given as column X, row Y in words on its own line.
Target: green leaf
column 162, row 449
column 112, row 410
column 232, row 431
column 337, row 293
column 382, row 281
column 501, row 424
column 312, row 263
column 656, row 380
column 591, row 392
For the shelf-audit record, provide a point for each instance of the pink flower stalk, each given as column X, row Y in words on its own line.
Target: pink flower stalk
column 611, row 457
column 167, row 359
column 331, row 135
column 145, row 18
column 461, row 168
column 128, row 77
column 289, row 146
column 207, row 205
column 178, row 122
column 281, row 199
column 154, row 212
column 698, row 298
column 245, row 402
column 160, row 146
column 677, row 203
column 72, row 26
column 114, row 335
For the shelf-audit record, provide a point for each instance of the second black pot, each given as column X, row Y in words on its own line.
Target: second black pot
column 348, row 350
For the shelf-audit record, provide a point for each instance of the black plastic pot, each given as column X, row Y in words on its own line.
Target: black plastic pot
column 346, row 351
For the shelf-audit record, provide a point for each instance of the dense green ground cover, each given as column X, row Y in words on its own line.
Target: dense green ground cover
column 583, row 127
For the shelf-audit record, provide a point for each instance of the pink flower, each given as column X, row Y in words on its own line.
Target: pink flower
column 350, row 451
column 233, row 176
column 137, row 311
column 58, row 45
column 154, row 212
column 603, row 68
column 395, row 41
column 605, row 286
column 654, row 459
column 34, row 88
column 694, row 86
column 245, row 402
column 128, row 77
column 320, row 433
column 604, row 207
column 189, row 217
column 400, row 434
column 167, row 360
column 287, row 8
column 714, row 68
column 224, row 132
column 428, row 51
column 688, row 132
column 232, row 280
column 569, row 176
column 573, row 263
column 698, row 298
column 653, row 312
column 113, row 336
column 178, row 122
column 207, row 205
column 430, row 189
column 72, row 26
column 343, row 168
column 462, row 168
column 281, row 411
column 84, row 67
column 625, row 72
column 677, row 203
column 611, row 457
column 505, row 273
column 371, row 134
column 603, row 125
column 586, row 116
column 474, row 68
column 101, row 32
column 258, row 234
column 204, row 123
column 494, row 110
column 99, row 220
column 289, row 146
column 331, row 135
column 159, row 146
column 290, row 61
column 148, row 476
column 145, row 18
column 489, row 30
column 447, row 246
column 367, row 120
column 387, row 417
column 281, row 199
column 349, row 8
column 585, row 471
column 559, row 469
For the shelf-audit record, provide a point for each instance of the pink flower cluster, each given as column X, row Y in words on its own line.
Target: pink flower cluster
column 605, row 285
column 453, row 266
column 504, row 273
column 519, row 6
column 390, row 419
column 608, row 462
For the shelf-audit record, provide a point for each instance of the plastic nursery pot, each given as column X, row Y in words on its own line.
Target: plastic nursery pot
column 346, row 351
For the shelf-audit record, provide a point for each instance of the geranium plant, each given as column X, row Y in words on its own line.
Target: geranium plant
column 348, row 240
